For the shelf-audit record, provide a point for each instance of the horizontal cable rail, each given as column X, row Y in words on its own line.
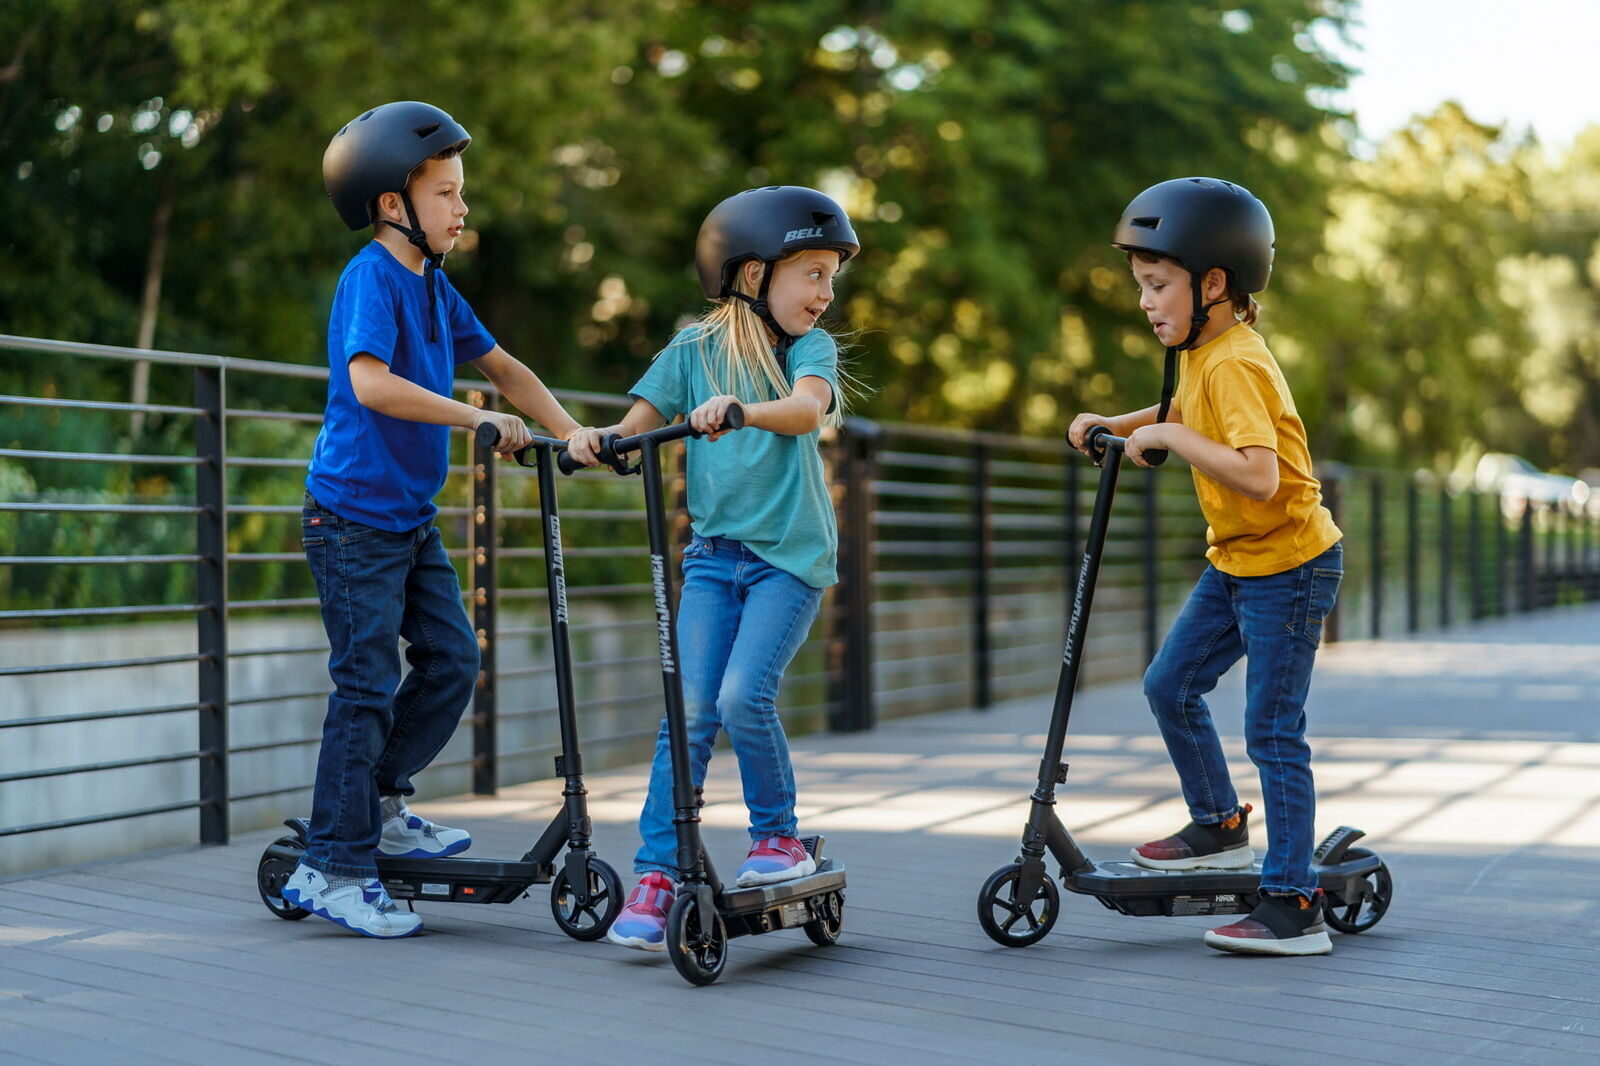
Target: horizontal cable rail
column 958, row 553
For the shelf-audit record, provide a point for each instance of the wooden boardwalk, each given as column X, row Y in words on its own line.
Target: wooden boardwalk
column 1472, row 760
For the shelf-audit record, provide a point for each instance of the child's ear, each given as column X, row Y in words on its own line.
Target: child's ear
column 752, row 274
column 389, row 206
column 1215, row 285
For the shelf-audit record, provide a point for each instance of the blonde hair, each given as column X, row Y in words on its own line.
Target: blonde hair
column 738, row 358
column 1245, row 308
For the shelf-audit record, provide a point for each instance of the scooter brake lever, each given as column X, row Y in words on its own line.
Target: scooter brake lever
column 609, row 456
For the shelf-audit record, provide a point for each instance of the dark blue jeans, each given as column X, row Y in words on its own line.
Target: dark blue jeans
column 1276, row 623
column 376, row 587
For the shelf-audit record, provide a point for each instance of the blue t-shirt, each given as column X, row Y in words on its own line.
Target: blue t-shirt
column 369, row 467
column 763, row 489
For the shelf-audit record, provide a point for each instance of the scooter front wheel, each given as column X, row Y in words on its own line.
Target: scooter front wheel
column 272, row 873
column 1012, row 922
column 590, row 919
column 697, row 940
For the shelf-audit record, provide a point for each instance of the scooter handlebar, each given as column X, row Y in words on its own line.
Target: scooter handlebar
column 1101, row 440
column 489, row 435
column 614, row 447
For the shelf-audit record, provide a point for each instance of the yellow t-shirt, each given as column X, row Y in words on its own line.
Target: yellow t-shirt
column 1231, row 390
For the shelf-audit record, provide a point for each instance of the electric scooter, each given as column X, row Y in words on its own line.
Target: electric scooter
column 1019, row 903
column 585, row 892
column 706, row 914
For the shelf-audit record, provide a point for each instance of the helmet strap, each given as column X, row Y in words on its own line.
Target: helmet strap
column 764, row 312
column 431, row 260
column 1197, row 323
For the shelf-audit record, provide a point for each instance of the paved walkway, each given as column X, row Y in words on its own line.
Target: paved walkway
column 1472, row 760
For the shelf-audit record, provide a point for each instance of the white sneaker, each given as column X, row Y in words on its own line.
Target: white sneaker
column 408, row 836
column 365, row 909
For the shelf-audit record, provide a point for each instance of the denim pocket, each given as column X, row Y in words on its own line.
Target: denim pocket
column 352, row 532
column 696, row 547
column 1320, row 598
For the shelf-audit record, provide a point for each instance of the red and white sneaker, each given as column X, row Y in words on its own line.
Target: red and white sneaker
column 1280, row 925
column 642, row 922
column 775, row 859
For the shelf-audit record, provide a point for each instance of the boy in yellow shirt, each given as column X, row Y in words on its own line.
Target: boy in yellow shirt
column 1198, row 248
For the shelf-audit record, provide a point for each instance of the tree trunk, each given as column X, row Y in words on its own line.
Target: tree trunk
column 150, row 302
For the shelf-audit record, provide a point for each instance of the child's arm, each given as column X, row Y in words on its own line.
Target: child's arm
column 584, row 445
column 376, row 388
column 1251, row 471
column 795, row 415
column 526, row 392
column 1119, row 425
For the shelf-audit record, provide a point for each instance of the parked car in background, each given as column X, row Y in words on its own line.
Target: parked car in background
column 1519, row 482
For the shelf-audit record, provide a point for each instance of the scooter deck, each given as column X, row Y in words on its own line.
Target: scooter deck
column 454, row 879
column 1135, row 890
column 457, row 880
column 786, row 905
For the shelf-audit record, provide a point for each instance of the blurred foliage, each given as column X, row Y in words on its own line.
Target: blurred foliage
column 1435, row 296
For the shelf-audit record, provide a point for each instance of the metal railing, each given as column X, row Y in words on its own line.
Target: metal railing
column 953, row 592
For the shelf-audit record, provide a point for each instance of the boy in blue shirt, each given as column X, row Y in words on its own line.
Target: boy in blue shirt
column 397, row 331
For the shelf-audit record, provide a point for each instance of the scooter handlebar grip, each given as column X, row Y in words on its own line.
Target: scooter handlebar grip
column 567, row 464
column 488, row 435
column 1155, row 456
column 734, row 419
column 1097, row 444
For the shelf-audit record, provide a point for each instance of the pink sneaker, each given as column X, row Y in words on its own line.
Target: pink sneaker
column 775, row 859
column 642, row 922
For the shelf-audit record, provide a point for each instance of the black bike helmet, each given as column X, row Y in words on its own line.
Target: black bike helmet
column 767, row 224
column 374, row 154
column 1202, row 223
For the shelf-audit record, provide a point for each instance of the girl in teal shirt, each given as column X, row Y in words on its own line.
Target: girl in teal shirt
column 765, row 544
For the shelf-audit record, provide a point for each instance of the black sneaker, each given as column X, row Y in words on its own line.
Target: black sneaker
column 1224, row 846
column 1280, row 925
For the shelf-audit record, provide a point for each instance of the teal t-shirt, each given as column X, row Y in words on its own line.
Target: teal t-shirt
column 763, row 489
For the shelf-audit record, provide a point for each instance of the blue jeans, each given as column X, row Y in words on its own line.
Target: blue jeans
column 1276, row 622
column 740, row 623
column 376, row 587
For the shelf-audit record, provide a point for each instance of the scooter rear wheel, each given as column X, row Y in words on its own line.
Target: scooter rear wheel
column 591, row 920
column 1366, row 910
column 697, row 941
column 272, row 873
column 824, row 931
column 999, row 910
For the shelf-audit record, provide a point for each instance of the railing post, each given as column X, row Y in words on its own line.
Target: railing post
column 211, row 590
column 1413, row 561
column 852, row 706
column 983, row 543
column 1502, row 555
column 1571, row 532
column 1474, row 558
column 1333, row 499
column 1591, row 565
column 1375, row 559
column 1525, row 555
column 1446, row 549
column 1547, row 578
column 1151, row 561
column 485, row 580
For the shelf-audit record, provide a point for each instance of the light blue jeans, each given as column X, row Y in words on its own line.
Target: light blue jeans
column 1276, row 622
column 740, row 623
